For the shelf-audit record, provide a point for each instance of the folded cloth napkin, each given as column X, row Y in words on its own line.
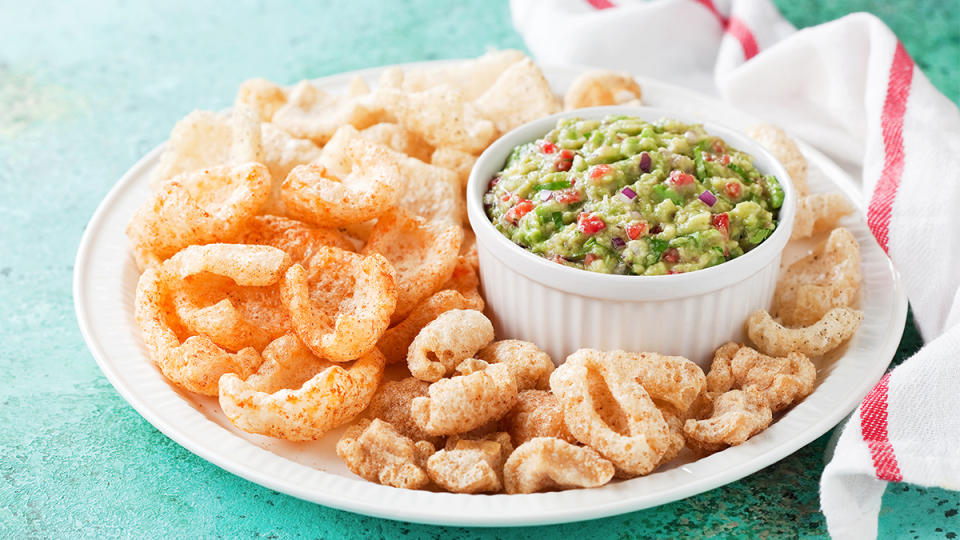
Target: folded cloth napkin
column 849, row 88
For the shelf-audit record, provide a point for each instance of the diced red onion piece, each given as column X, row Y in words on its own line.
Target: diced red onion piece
column 708, row 198
column 618, row 242
column 546, row 195
column 645, row 162
column 629, row 193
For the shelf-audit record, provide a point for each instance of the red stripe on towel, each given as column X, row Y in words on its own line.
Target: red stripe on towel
column 873, row 428
column 736, row 28
column 601, row 4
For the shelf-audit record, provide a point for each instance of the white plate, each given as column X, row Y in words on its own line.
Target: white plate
column 105, row 280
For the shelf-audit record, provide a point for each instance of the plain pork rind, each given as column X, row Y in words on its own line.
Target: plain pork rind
column 735, row 416
column 398, row 138
column 205, row 139
column 451, row 338
column 375, row 451
column 528, row 363
column 391, row 404
column 466, row 402
column 395, row 342
column 370, row 188
column 262, row 96
column 471, row 77
column 281, row 153
column 199, row 207
column 827, row 278
column 772, row 338
column 670, row 379
column 340, row 302
column 546, row 463
column 441, row 116
column 599, row 87
column 469, row 466
column 819, row 212
column 779, row 381
column 457, row 161
column 298, row 239
column 785, row 150
column 311, row 113
column 606, row 408
column 423, row 254
column 519, row 95
column 537, row 414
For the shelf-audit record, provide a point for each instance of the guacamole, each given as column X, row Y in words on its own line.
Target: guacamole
column 626, row 196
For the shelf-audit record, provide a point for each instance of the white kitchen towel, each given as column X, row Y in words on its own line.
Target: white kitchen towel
column 849, row 88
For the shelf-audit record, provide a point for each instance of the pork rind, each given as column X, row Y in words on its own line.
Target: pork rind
column 329, row 399
column 819, row 212
column 442, row 117
column 263, row 96
column 599, row 87
column 391, row 404
column 519, row 95
column 546, row 463
column 200, row 207
column 395, row 342
column 375, row 451
column 734, row 417
column 340, row 302
column 537, row 414
column 785, row 150
column 468, row 466
column 529, row 364
column 468, row 249
column 311, row 113
column 471, row 77
column 829, row 277
column 298, row 239
column 448, row 340
column 779, row 381
column 772, row 338
column 311, row 194
column 205, row 139
column 423, row 254
column 398, row 138
column 466, row 402
column 606, row 408
column 670, row 379
column 457, row 161
column 281, row 153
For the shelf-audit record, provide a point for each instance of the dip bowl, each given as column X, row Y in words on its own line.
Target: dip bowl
column 563, row 309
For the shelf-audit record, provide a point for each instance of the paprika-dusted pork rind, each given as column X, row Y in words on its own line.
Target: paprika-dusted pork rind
column 538, row 413
column 819, row 212
column 395, row 342
column 779, row 381
column 311, row 194
column 827, row 278
column 375, row 451
column 298, row 239
column 546, row 463
column 326, row 401
column 441, row 116
column 205, row 139
column 451, row 338
column 736, row 416
column 772, row 338
column 281, row 153
column 457, row 161
column 391, row 404
column 601, row 87
column 340, row 302
column 469, row 466
column 606, row 408
column 785, row 150
column 465, row 402
column 263, row 96
column 529, row 364
column 311, row 113
column 199, row 207
column 520, row 94
column 423, row 254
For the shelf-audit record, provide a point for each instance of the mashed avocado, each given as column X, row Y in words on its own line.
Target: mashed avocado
column 625, row 196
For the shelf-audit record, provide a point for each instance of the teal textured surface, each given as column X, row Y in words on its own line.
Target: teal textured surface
column 86, row 90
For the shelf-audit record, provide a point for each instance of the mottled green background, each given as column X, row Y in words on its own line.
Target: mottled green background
column 88, row 88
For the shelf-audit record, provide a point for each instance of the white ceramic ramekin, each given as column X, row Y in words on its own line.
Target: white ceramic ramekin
column 563, row 309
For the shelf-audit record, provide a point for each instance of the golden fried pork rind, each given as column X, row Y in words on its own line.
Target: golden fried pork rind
column 395, row 342
column 670, row 379
column 448, row 340
column 391, row 404
column 312, row 194
column 772, row 338
column 606, row 408
column 398, row 138
column 537, row 414
column 785, row 150
column 735, row 416
column 340, row 302
column 471, row 77
column 329, row 399
column 200, row 207
column 529, row 364
column 298, row 239
column 374, row 450
column 466, row 402
column 600, row 87
column 779, row 381
column 829, row 277
column 205, row 139
column 546, row 463
column 441, row 116
column 423, row 254
column 457, row 161
column 262, row 96
column 281, row 153
column 819, row 212
column 519, row 95
column 470, row 466
column 311, row 113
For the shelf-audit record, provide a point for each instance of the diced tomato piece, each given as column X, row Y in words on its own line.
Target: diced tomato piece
column 563, row 165
column 589, row 223
column 588, row 260
column 638, row 229
column 600, row 170
column 709, row 157
column 733, row 189
column 717, row 146
column 548, row 147
column 680, row 179
column 505, row 197
column 558, row 259
column 519, row 210
column 567, row 154
column 722, row 223
column 670, row 255
column 725, row 159
column 567, row 196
